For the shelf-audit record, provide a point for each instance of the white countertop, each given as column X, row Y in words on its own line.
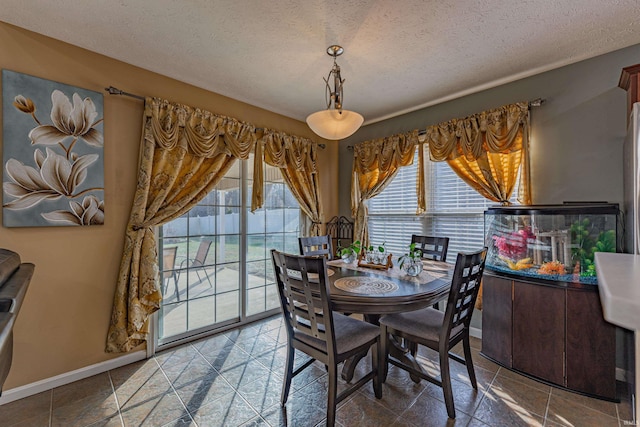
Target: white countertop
column 619, row 287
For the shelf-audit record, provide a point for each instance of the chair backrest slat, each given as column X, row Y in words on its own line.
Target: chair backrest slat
column 316, row 245
column 464, row 290
column 434, row 248
column 304, row 295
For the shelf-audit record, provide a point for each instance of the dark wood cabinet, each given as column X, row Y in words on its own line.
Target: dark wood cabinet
column 538, row 331
column 591, row 346
column 497, row 323
column 551, row 332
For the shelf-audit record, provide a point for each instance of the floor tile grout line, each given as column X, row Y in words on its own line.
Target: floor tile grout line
column 271, row 371
column 220, row 374
column 115, row 396
column 484, row 395
column 51, row 408
column 235, row 390
column 589, row 407
column 186, row 411
column 546, row 409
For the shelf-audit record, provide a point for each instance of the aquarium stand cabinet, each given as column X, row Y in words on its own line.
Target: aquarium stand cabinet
column 541, row 311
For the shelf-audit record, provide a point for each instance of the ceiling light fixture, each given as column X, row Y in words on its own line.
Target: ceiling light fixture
column 334, row 122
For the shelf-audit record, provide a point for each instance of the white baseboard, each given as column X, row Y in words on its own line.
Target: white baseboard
column 623, row 375
column 69, row 377
column 475, row 332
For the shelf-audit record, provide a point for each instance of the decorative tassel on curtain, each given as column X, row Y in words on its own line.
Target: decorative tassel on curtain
column 375, row 164
column 184, row 153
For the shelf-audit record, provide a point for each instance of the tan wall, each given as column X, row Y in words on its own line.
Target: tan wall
column 64, row 319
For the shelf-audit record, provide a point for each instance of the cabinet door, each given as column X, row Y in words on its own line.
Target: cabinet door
column 591, row 346
column 496, row 319
column 538, row 331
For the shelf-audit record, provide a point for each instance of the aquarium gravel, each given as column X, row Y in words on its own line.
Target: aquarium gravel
column 533, row 273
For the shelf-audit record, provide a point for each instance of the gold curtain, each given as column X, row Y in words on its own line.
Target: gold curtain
column 184, row 153
column 486, row 150
column 375, row 163
column 297, row 159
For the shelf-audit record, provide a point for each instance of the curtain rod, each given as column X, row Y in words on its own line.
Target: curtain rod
column 115, row 91
column 533, row 103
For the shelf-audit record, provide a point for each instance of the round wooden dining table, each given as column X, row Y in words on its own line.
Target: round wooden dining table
column 373, row 292
column 409, row 293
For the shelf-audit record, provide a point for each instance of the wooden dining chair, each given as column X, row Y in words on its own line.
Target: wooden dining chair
column 316, row 245
column 441, row 331
column 313, row 328
column 169, row 268
column 434, row 248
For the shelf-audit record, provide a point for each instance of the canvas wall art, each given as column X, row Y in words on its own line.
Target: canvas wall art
column 53, row 157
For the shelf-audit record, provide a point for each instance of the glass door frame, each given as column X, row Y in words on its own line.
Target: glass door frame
column 155, row 343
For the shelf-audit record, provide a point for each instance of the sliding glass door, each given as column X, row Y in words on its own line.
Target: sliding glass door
column 274, row 226
column 215, row 260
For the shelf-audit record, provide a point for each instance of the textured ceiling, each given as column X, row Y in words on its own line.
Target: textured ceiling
column 399, row 55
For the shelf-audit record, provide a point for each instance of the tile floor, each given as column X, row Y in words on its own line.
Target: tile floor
column 234, row 379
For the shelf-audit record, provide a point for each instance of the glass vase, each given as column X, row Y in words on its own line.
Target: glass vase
column 349, row 258
column 413, row 267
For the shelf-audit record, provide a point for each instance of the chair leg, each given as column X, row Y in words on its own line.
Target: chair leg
column 376, row 365
column 384, row 351
column 332, row 395
column 175, row 283
column 413, row 347
column 467, row 359
column 208, row 279
column 445, row 376
column 288, row 375
column 204, row 271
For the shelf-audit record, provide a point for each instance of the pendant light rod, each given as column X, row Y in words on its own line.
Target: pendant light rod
column 334, row 123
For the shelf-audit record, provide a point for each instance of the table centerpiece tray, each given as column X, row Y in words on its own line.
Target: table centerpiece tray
column 362, row 263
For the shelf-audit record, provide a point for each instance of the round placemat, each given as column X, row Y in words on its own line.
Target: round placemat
column 365, row 285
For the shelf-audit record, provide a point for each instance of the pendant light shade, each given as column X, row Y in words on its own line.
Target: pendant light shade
column 334, row 123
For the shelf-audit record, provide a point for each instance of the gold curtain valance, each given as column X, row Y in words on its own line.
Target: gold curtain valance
column 282, row 150
column 384, row 154
column 486, row 150
column 493, row 131
column 297, row 159
column 200, row 132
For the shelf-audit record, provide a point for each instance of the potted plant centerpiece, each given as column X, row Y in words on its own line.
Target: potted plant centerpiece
column 376, row 254
column 350, row 253
column 411, row 262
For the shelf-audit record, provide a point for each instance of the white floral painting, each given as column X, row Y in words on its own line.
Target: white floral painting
column 53, row 162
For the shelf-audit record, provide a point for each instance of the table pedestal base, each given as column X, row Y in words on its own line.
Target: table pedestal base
column 396, row 350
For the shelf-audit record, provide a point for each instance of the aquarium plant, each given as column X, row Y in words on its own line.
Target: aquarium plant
column 585, row 245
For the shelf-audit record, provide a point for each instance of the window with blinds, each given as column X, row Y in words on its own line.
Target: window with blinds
column 454, row 210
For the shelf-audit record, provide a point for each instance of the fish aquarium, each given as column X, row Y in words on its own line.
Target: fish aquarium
column 551, row 242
